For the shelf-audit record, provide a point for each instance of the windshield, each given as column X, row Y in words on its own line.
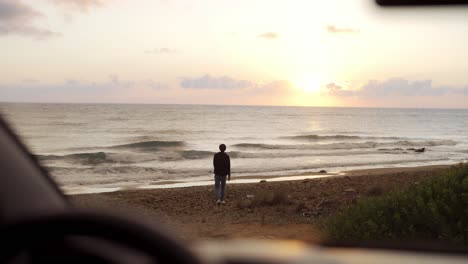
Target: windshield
column 340, row 120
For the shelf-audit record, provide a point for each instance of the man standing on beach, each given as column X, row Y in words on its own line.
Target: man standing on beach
column 222, row 170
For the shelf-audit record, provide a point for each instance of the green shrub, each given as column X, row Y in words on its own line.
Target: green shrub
column 434, row 209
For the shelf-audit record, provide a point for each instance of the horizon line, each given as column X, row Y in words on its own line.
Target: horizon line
column 238, row 105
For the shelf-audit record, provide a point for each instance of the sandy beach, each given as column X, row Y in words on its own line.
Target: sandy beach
column 264, row 210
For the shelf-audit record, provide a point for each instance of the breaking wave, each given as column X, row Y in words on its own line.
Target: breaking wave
column 348, row 145
column 99, row 158
column 337, row 137
column 148, row 151
column 84, row 158
column 196, row 154
column 150, row 145
column 137, row 174
column 336, row 165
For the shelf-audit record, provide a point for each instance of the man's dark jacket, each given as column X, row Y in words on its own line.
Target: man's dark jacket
column 222, row 164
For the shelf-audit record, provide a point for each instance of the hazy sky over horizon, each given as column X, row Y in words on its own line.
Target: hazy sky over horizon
column 327, row 53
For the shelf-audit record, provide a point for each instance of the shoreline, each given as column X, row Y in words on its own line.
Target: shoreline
column 169, row 184
column 191, row 213
column 188, row 184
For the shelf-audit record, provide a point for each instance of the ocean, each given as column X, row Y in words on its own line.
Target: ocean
column 119, row 145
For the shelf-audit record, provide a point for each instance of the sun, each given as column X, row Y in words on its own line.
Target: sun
column 309, row 83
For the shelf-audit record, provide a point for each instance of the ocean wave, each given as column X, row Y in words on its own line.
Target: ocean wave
column 337, row 137
column 432, row 143
column 104, row 170
column 96, row 158
column 341, row 132
column 84, row 158
column 99, row 158
column 143, row 138
column 338, row 165
column 317, row 137
column 347, row 145
column 169, row 151
column 279, row 155
column 114, row 174
column 330, row 146
column 196, row 154
column 167, row 131
column 65, row 124
column 150, row 145
column 263, row 146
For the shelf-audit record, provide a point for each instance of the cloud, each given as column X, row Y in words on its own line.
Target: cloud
column 16, row 11
column 272, row 87
column 154, row 85
column 400, row 86
column 161, row 51
column 332, row 29
column 394, row 87
column 276, row 92
column 82, row 5
column 75, row 90
column 269, row 35
column 30, row 31
column 16, row 19
column 209, row 82
column 334, row 89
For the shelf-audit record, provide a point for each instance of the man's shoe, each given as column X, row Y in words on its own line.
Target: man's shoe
column 223, row 202
column 218, row 202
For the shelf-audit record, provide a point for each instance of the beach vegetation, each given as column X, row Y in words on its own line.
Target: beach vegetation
column 433, row 209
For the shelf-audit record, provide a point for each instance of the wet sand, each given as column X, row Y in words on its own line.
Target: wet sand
column 265, row 210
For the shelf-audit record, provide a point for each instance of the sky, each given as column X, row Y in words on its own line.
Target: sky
column 300, row 53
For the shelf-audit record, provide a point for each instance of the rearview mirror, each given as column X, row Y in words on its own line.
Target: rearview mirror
column 420, row 2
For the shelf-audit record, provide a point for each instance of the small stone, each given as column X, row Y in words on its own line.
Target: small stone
column 299, row 207
column 263, row 181
column 350, row 190
column 244, row 204
column 323, row 171
column 296, row 208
